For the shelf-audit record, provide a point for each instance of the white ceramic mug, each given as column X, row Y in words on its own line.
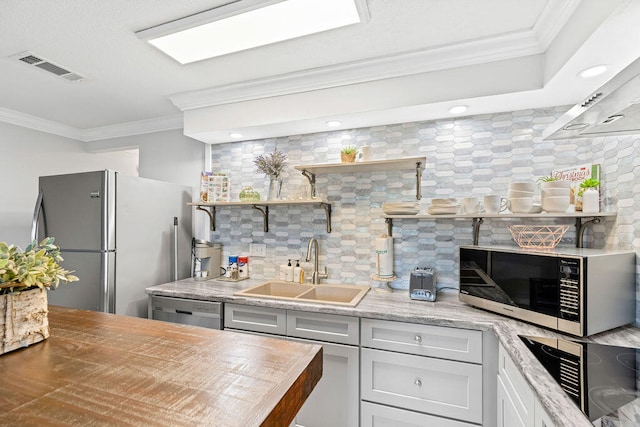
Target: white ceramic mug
column 363, row 154
column 494, row 204
column 470, row 205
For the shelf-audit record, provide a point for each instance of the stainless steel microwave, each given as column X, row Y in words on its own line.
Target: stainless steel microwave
column 577, row 291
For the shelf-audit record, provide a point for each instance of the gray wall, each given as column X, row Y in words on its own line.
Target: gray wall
column 468, row 156
column 28, row 154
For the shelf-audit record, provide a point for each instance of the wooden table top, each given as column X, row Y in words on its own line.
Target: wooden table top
column 102, row 369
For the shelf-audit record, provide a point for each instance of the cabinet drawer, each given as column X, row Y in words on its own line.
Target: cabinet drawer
column 464, row 345
column 515, row 386
column 374, row 415
column 435, row 386
column 323, row 327
column 257, row 319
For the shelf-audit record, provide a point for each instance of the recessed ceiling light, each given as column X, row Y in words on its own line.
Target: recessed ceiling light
column 592, row 71
column 333, row 123
column 246, row 24
column 235, row 135
column 458, row 109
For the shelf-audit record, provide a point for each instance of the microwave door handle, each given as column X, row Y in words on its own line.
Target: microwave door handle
column 36, row 215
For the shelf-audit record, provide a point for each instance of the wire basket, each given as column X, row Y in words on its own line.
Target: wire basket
column 538, row 236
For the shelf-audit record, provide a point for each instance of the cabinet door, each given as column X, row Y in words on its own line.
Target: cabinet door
column 516, row 387
column 424, row 384
column 508, row 415
column 335, row 400
column 256, row 319
column 373, row 415
column 323, row 327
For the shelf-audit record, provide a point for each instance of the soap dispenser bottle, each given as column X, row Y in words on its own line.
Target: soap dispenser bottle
column 298, row 273
column 289, row 272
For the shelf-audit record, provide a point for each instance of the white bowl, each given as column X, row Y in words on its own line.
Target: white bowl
column 556, row 204
column 555, row 192
column 555, row 184
column 517, row 194
column 520, row 204
column 523, row 186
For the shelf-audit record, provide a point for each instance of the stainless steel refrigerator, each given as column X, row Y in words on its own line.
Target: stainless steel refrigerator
column 120, row 234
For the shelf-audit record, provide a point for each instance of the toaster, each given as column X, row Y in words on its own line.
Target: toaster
column 422, row 284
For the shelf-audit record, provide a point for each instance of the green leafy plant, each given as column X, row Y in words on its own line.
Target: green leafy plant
column 349, row 149
column 588, row 183
column 271, row 164
column 35, row 267
column 547, row 179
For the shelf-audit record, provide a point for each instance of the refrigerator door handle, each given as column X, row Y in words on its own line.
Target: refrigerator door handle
column 175, row 248
column 36, row 215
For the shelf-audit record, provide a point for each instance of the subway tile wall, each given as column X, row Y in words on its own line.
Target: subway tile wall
column 467, row 156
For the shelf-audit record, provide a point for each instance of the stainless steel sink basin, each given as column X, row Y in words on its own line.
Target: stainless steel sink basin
column 349, row 295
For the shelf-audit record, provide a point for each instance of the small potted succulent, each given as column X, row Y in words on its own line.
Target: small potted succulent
column 348, row 154
column 588, row 199
column 25, row 277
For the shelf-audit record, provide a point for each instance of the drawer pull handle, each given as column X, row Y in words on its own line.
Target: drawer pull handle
column 418, row 339
column 418, row 382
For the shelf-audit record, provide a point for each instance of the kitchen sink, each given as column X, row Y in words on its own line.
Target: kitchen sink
column 349, row 295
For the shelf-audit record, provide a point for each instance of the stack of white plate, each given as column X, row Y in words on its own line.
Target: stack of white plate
column 401, row 208
column 443, row 207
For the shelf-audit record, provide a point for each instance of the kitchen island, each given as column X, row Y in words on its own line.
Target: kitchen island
column 104, row 369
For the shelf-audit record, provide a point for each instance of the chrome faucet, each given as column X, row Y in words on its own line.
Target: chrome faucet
column 316, row 276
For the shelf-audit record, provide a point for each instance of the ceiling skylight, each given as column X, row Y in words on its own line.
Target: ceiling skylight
column 246, row 24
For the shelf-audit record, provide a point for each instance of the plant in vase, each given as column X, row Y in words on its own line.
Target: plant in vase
column 25, row 277
column 272, row 165
column 348, row 154
column 589, row 195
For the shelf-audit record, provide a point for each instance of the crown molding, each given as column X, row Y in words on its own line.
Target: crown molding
column 506, row 46
column 36, row 123
column 140, row 127
column 159, row 124
column 553, row 17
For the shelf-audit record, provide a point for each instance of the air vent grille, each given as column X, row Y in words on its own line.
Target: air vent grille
column 46, row 65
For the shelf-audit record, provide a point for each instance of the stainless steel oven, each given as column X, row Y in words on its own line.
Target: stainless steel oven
column 577, row 291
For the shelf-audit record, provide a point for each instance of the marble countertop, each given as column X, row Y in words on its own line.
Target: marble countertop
column 445, row 311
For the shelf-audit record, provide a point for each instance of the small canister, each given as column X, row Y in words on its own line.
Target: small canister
column 243, row 267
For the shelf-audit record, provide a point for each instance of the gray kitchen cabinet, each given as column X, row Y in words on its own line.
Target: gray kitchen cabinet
column 256, row 319
column 335, row 400
column 420, row 369
column 517, row 404
column 373, row 415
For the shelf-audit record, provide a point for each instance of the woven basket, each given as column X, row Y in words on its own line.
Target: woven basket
column 538, row 236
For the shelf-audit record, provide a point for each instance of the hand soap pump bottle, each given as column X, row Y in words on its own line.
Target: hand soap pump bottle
column 298, row 273
column 289, row 272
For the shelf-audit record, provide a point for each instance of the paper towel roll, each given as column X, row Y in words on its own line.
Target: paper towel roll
column 384, row 255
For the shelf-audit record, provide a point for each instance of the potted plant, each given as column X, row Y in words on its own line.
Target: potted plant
column 25, row 277
column 589, row 196
column 272, row 165
column 348, row 154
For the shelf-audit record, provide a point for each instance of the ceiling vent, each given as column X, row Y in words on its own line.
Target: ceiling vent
column 46, row 65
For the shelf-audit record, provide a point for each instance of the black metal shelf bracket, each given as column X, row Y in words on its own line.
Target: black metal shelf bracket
column 312, row 182
column 327, row 213
column 264, row 210
column 582, row 227
column 477, row 222
column 212, row 216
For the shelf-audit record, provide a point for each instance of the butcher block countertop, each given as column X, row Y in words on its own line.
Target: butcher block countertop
column 101, row 369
